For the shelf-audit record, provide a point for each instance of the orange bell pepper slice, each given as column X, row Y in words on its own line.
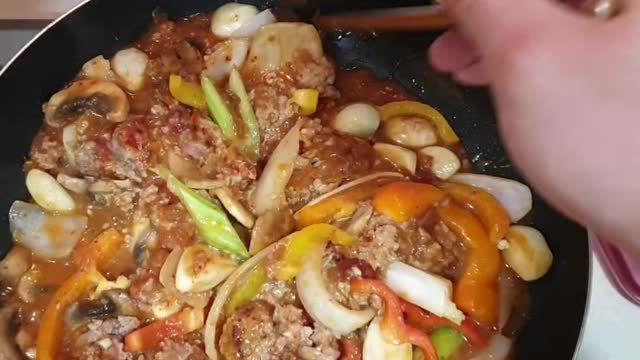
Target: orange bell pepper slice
column 401, row 201
column 74, row 288
column 393, row 325
column 52, row 322
column 427, row 321
column 484, row 206
column 476, row 291
column 338, row 206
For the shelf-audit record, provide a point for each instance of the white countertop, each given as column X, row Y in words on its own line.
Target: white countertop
column 612, row 330
column 34, row 9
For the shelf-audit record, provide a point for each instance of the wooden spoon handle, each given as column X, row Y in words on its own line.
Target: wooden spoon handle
column 430, row 17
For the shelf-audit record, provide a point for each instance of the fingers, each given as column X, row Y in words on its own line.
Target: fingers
column 490, row 24
column 472, row 75
column 452, row 52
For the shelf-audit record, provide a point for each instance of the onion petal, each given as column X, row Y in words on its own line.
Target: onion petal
column 32, row 227
column 377, row 348
column 269, row 193
column 498, row 349
column 223, row 293
column 430, row 292
column 249, row 28
column 317, row 299
column 167, row 278
column 515, row 197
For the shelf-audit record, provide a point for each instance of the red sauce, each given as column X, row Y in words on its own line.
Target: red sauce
column 361, row 85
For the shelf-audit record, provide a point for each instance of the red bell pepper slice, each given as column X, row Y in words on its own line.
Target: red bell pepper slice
column 425, row 320
column 393, row 325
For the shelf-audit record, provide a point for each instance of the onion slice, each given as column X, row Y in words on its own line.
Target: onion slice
column 269, row 193
column 430, row 292
column 381, row 176
column 32, row 228
column 377, row 348
column 498, row 349
column 515, row 197
column 251, row 26
column 223, row 293
column 167, row 278
column 317, row 299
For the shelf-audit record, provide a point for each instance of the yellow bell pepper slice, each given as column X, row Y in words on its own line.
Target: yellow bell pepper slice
column 307, row 100
column 300, row 242
column 80, row 284
column 399, row 108
column 186, row 92
column 484, row 206
column 401, row 201
column 476, row 292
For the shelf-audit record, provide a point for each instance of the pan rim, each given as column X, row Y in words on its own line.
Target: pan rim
column 585, row 315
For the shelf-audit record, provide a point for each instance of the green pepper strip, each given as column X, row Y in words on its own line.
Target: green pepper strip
column 446, row 341
column 248, row 290
column 212, row 223
column 218, row 109
column 251, row 145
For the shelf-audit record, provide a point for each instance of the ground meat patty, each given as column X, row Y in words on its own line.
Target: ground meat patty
column 377, row 245
column 435, row 250
column 129, row 145
column 262, row 331
column 248, row 331
column 329, row 161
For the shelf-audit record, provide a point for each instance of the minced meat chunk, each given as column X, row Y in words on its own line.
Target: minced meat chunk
column 261, row 331
column 438, row 251
column 378, row 245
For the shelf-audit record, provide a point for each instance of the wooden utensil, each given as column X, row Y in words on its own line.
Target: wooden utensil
column 429, row 17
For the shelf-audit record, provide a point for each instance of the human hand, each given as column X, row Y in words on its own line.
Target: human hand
column 567, row 93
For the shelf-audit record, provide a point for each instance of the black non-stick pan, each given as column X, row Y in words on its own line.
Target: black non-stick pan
column 104, row 26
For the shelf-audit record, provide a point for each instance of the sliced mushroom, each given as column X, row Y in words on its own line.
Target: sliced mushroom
column 200, row 269
column 111, row 303
column 358, row 221
column 97, row 68
column 70, row 142
column 83, row 97
column 77, row 185
column 8, row 347
column 28, row 288
column 107, row 186
column 14, row 265
column 271, row 227
column 235, row 207
column 130, row 66
column 204, row 184
column 26, row 343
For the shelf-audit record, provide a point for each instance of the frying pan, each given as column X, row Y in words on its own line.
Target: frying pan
column 104, row 26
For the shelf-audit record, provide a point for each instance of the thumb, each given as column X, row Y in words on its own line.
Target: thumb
column 495, row 24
